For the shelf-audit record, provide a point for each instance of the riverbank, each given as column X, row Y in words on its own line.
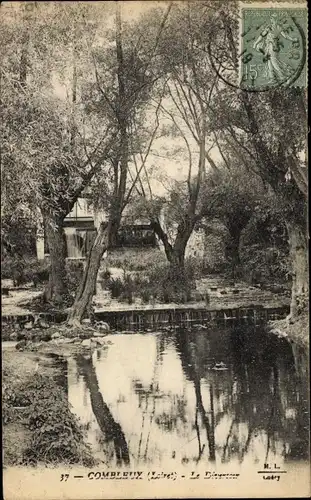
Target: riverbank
column 297, row 332
column 38, row 426
column 211, row 292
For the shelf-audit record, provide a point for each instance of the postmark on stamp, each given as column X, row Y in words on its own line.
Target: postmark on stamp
column 273, row 48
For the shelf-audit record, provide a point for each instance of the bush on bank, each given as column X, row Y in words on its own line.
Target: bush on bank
column 42, row 408
column 24, row 270
column 155, row 283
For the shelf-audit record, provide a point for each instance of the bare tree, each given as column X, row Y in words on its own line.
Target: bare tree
column 126, row 100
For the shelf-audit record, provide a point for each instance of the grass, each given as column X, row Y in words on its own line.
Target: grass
column 134, row 259
column 35, row 408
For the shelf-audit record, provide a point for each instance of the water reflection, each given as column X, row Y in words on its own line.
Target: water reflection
column 111, row 430
column 219, row 395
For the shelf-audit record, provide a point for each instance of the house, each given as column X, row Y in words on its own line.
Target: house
column 80, row 228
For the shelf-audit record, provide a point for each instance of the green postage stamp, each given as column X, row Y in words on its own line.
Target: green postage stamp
column 273, row 47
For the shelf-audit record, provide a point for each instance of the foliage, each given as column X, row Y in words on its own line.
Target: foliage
column 18, row 234
column 134, row 259
column 157, row 282
column 11, row 399
column 175, row 287
column 188, row 94
column 264, row 245
column 55, row 432
column 266, row 131
column 25, row 270
column 265, row 265
column 116, row 287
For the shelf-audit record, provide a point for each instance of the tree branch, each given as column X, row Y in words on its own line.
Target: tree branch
column 145, row 157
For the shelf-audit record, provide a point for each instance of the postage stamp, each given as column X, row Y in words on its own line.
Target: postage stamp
column 273, row 47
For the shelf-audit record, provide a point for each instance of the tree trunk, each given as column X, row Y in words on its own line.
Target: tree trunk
column 176, row 286
column 177, row 258
column 299, row 260
column 109, row 427
column 113, row 233
column 86, row 290
column 179, row 251
column 156, row 226
column 177, row 262
column 175, row 253
column 232, row 251
column 57, row 290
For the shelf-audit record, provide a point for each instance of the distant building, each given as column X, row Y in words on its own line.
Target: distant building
column 80, row 227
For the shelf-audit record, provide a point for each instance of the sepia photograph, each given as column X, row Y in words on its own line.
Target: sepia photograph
column 154, row 249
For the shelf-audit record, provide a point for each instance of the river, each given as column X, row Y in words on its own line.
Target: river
column 222, row 395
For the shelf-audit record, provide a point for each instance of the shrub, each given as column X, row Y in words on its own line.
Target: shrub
column 105, row 275
column 146, row 295
column 56, row 434
column 164, row 285
column 157, row 281
column 264, row 248
column 25, row 270
column 135, row 259
column 128, row 289
column 116, row 287
column 13, row 268
column 265, row 265
column 194, row 267
column 122, row 289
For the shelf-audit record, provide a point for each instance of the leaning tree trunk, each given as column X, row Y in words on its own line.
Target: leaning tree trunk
column 56, row 290
column 299, row 261
column 109, row 427
column 86, row 290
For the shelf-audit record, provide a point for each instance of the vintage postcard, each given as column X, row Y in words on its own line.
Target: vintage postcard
column 154, row 249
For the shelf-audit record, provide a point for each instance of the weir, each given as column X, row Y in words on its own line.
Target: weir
column 155, row 319
column 166, row 318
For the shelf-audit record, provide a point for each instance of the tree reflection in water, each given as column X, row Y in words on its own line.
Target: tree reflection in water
column 109, row 427
column 259, row 397
column 266, row 394
column 189, row 360
column 164, row 399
